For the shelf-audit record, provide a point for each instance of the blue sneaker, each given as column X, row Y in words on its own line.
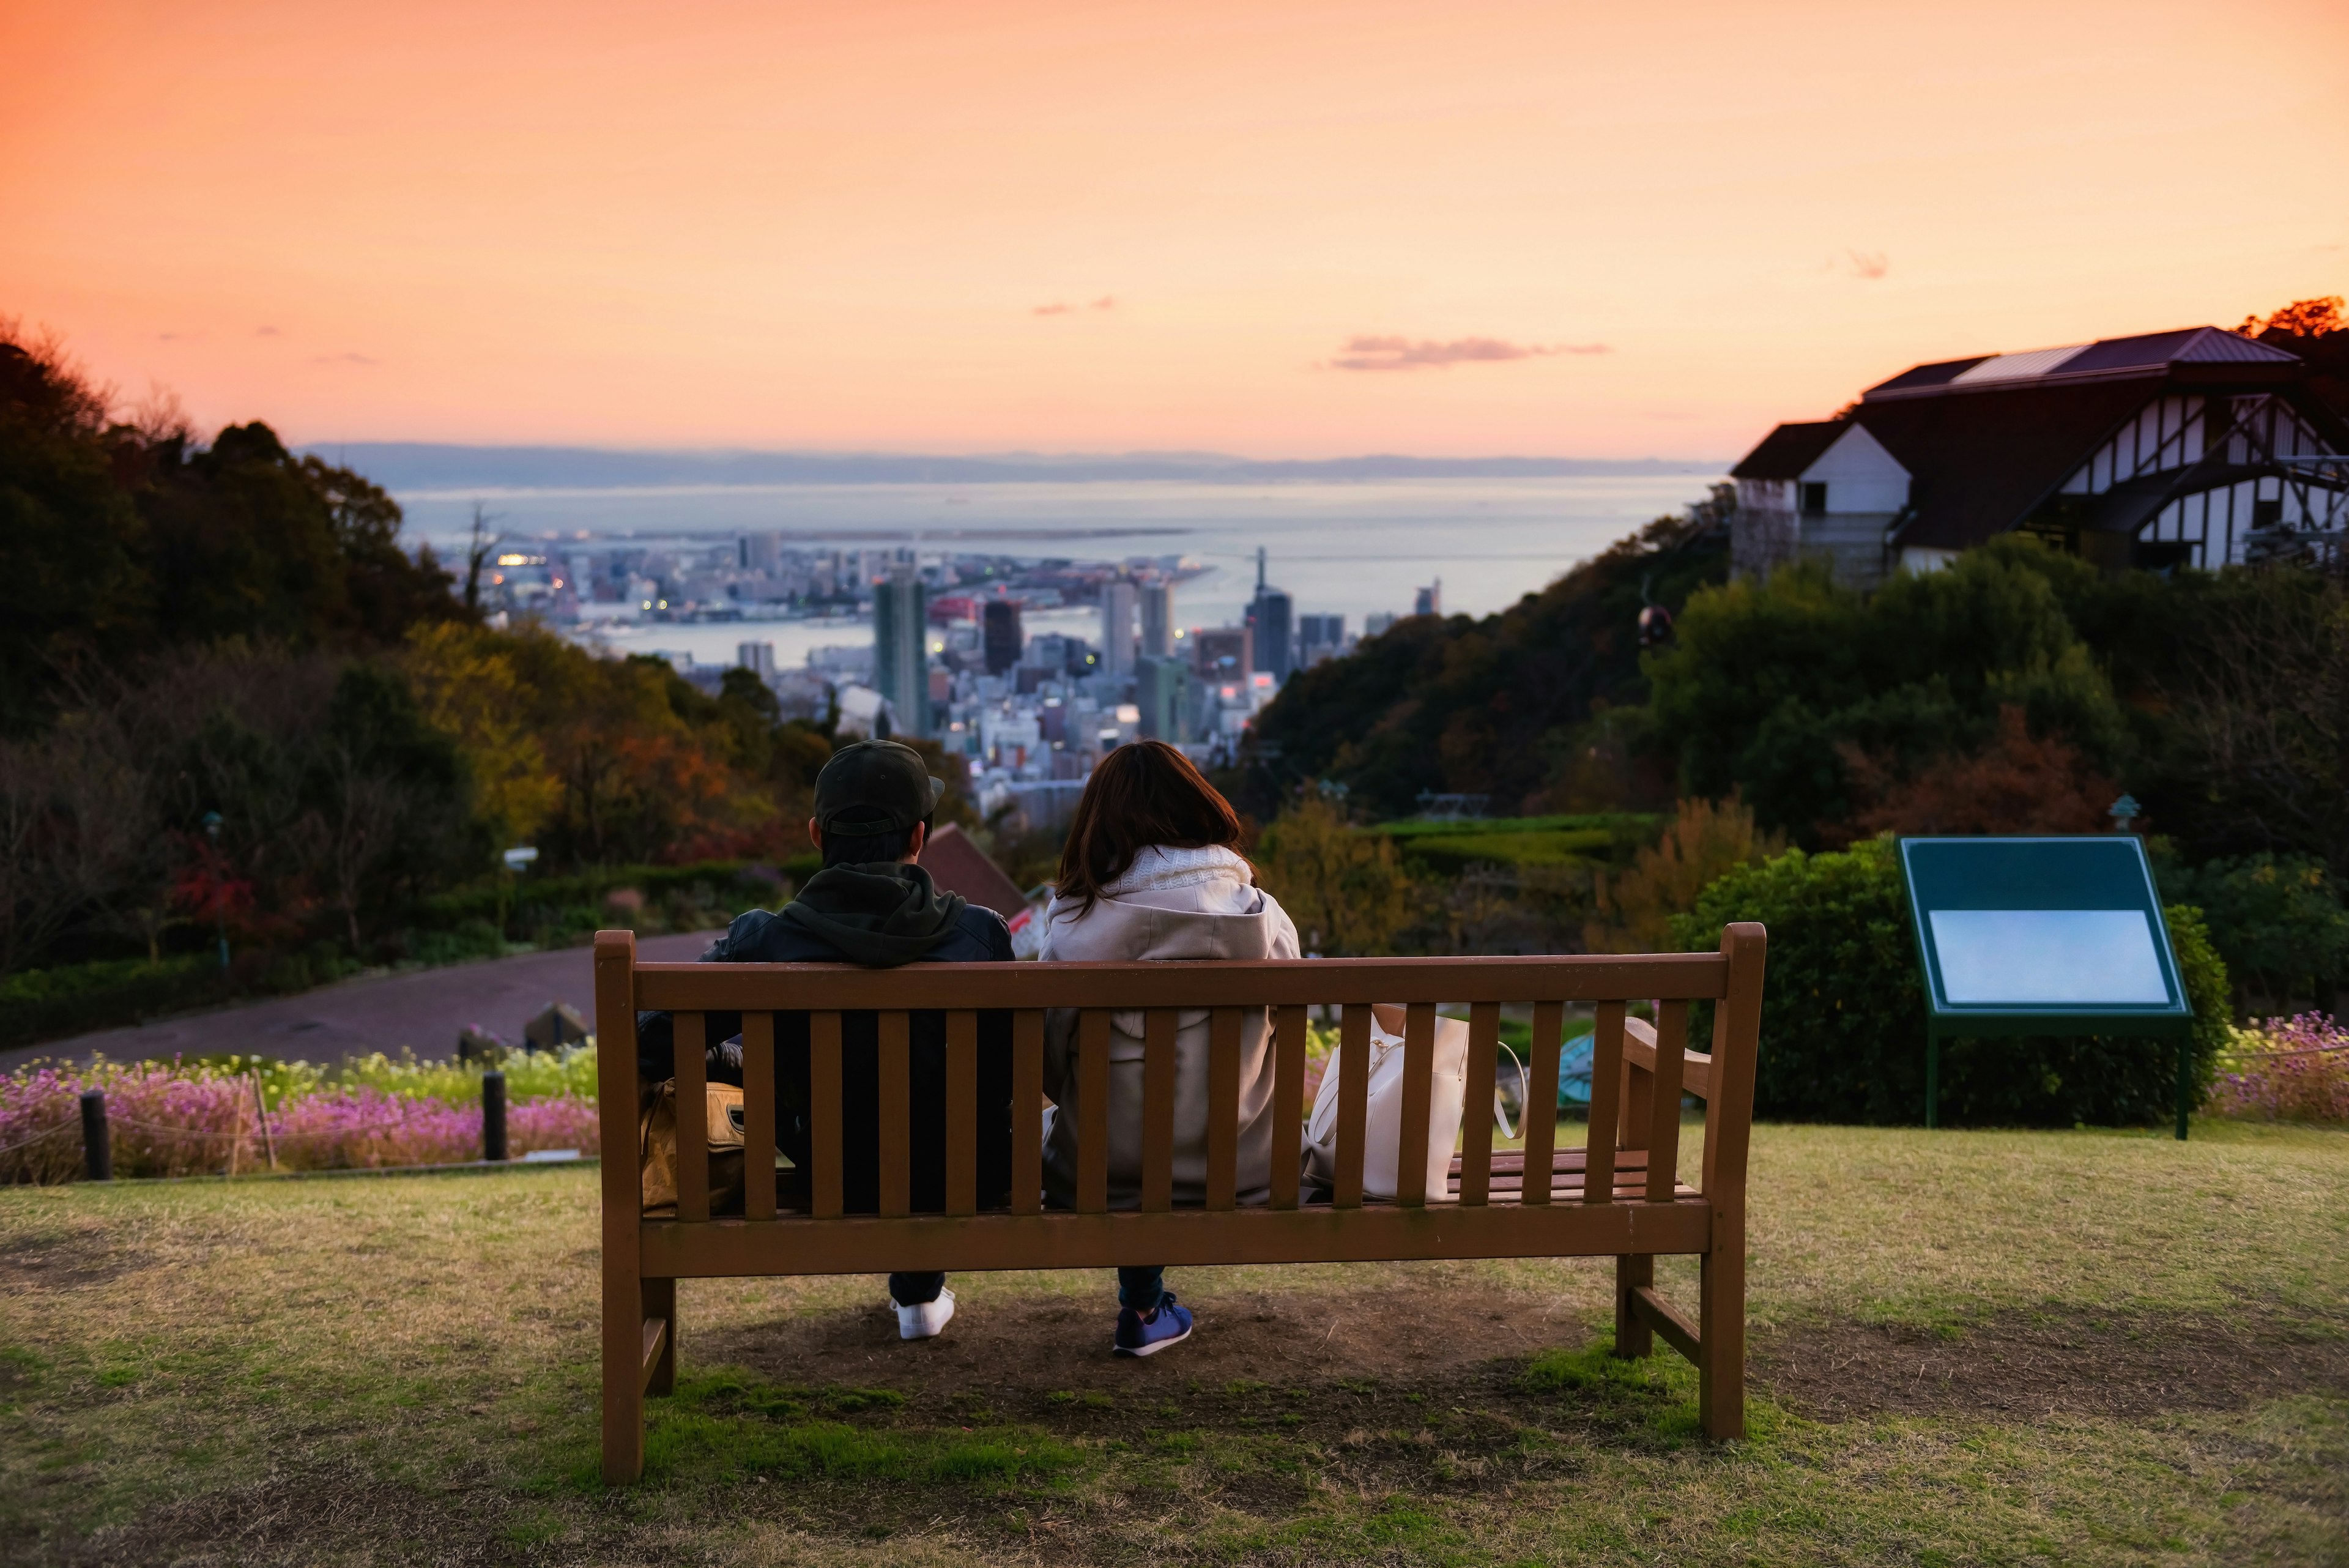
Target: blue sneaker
column 1147, row 1335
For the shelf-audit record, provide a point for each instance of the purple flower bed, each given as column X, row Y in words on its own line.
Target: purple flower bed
column 2286, row 1069
column 194, row 1121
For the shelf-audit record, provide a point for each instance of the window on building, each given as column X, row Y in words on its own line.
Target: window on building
column 1815, row 500
column 2267, row 513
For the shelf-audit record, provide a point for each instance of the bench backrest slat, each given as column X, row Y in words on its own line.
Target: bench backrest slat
column 1158, row 1110
column 824, row 1186
column 895, row 1079
column 757, row 1115
column 692, row 1118
column 1541, row 1130
column 1027, row 1111
column 1092, row 1113
column 1662, row 1135
column 1287, row 1094
column 962, row 1112
column 1476, row 1122
column 1605, row 1130
column 1224, row 1025
column 1418, row 1088
column 1354, row 1102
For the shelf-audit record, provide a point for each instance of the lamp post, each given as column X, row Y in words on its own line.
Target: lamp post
column 517, row 859
column 220, row 892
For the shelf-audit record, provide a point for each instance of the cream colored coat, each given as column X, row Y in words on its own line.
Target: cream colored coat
column 1171, row 904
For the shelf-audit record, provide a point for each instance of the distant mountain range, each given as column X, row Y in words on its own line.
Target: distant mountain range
column 412, row 466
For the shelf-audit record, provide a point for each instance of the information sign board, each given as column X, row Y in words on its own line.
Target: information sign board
column 2047, row 935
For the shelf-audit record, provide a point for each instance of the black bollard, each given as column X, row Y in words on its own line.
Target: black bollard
column 493, row 1116
column 96, row 1145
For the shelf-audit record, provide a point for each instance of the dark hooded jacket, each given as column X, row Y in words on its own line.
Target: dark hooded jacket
column 879, row 916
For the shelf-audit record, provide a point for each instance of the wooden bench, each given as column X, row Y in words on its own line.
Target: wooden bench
column 1621, row 1196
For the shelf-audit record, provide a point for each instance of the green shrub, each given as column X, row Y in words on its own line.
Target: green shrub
column 2276, row 920
column 72, row 999
column 1843, row 1011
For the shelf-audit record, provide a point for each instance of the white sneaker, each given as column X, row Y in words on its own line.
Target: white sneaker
column 924, row 1319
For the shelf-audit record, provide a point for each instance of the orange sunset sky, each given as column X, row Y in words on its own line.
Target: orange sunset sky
column 1278, row 230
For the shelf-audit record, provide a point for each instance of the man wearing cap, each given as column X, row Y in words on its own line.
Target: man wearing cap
column 871, row 904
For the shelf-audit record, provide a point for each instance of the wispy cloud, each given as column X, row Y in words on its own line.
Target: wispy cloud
column 1061, row 307
column 342, row 360
column 1869, row 264
column 1371, row 352
column 1053, row 309
column 178, row 337
column 1105, row 302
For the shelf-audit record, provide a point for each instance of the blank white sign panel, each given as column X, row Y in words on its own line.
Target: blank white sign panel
column 2024, row 957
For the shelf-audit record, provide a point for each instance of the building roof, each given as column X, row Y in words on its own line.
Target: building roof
column 2107, row 358
column 1790, row 450
column 1977, row 466
column 957, row 865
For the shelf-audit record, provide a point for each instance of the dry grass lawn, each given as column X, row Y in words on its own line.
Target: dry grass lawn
column 1968, row 1347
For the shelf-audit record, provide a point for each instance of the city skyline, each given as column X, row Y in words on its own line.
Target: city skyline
column 1303, row 232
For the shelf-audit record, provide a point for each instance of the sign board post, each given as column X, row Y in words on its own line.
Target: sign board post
column 2043, row 936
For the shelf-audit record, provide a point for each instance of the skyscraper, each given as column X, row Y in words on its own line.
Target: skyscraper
column 1430, row 600
column 1166, row 690
column 1001, row 623
column 1158, row 620
column 1269, row 618
column 901, row 649
column 1117, row 629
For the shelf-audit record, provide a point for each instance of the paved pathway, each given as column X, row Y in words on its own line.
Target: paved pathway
column 423, row 1009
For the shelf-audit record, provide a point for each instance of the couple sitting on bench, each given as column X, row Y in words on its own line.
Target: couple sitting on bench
column 1152, row 869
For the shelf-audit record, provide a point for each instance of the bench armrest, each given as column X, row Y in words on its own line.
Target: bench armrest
column 1639, row 1051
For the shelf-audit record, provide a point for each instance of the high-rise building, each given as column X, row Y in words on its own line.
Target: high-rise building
column 1429, row 600
column 1166, row 690
column 1320, row 637
column 1158, row 620
column 1000, row 624
column 759, row 658
column 1222, row 652
column 1117, row 629
column 901, row 649
column 1376, row 622
column 1269, row 618
column 762, row 553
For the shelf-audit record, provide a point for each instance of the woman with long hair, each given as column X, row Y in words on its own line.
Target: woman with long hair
column 1152, row 870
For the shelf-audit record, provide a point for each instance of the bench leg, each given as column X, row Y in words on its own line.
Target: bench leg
column 1633, row 1337
column 624, row 1371
column 660, row 1301
column 1720, row 1349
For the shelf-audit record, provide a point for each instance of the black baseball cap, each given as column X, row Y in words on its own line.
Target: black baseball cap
column 874, row 787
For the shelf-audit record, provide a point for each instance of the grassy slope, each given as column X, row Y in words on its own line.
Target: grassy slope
column 398, row 1371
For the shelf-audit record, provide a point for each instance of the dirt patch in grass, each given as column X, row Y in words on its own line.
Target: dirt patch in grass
column 1024, row 1348
column 2018, row 1364
column 72, row 1261
column 298, row 1516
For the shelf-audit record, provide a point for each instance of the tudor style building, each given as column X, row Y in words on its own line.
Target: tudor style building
column 2198, row 447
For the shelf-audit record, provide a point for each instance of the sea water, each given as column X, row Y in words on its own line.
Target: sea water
column 1351, row 548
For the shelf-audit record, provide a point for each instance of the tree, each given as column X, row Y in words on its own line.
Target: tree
column 2318, row 331
column 480, row 545
column 2016, row 784
column 1704, row 842
column 74, row 584
column 1346, row 890
column 2259, row 721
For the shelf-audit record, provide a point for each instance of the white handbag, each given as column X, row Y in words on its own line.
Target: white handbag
column 1382, row 1129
